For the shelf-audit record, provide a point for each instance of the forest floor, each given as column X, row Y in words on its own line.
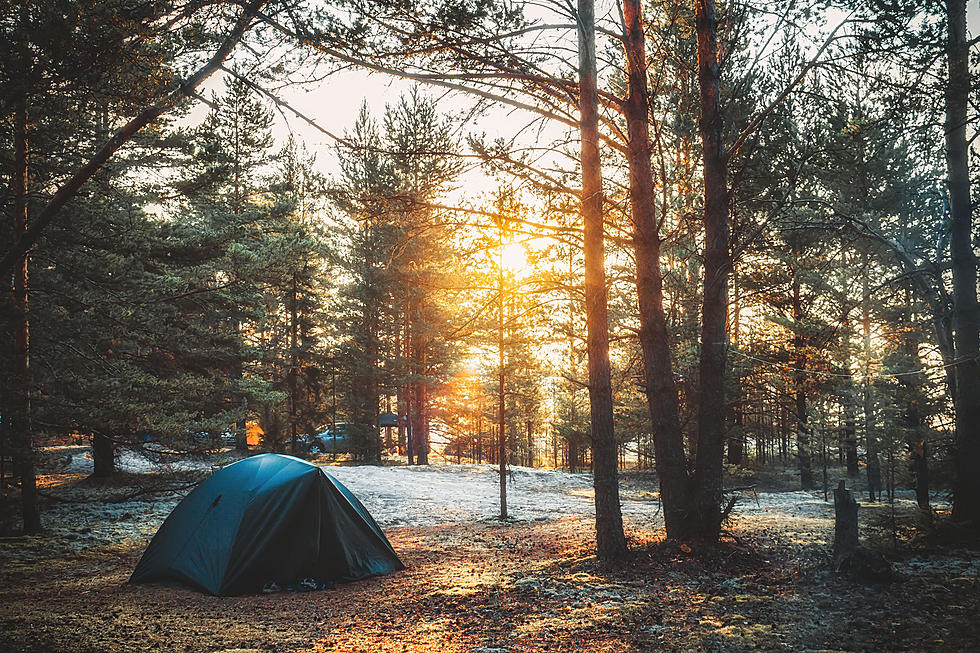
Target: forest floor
column 473, row 583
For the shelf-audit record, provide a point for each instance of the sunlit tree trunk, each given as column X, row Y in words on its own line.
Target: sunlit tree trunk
column 479, row 432
column 966, row 310
column 661, row 392
column 610, row 540
column 501, row 382
column 422, row 412
column 410, row 421
column 373, row 399
column 405, row 390
column 418, row 435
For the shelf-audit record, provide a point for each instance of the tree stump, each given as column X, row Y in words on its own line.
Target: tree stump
column 845, row 522
column 849, row 556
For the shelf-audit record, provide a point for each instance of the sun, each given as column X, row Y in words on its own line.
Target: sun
column 513, row 258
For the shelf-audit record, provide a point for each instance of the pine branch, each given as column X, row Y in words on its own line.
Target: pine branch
column 123, row 135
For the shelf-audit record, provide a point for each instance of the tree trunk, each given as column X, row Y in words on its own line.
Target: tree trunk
column 850, row 557
column 870, row 436
column 918, row 455
column 415, row 434
column 241, row 426
column 502, row 438
column 850, row 435
column 717, row 266
column 849, row 407
column 803, row 443
column 800, row 380
column 966, row 310
column 530, row 445
column 501, row 378
column 916, row 438
column 21, row 432
column 479, row 432
column 293, row 366
column 410, row 422
column 422, row 435
column 660, row 389
column 372, row 400
column 736, row 443
column 610, row 540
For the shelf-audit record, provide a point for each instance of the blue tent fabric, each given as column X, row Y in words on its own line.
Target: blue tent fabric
column 268, row 518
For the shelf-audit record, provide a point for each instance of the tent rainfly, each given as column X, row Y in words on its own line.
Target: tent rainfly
column 266, row 519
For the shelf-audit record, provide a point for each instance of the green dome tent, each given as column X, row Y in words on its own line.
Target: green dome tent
column 265, row 519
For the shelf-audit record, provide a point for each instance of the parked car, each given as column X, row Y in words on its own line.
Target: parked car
column 333, row 440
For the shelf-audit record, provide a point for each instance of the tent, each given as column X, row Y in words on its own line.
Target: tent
column 266, row 519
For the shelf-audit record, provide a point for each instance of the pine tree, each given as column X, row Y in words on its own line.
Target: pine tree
column 396, row 257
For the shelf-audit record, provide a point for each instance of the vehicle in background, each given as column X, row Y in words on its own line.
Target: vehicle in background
column 333, row 440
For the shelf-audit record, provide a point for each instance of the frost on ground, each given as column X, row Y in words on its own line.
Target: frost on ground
column 395, row 496
column 424, row 496
column 78, row 515
column 473, row 583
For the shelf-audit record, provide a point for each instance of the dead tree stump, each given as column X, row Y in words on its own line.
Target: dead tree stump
column 845, row 522
column 849, row 556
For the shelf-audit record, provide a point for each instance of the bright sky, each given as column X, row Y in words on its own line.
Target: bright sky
column 335, row 103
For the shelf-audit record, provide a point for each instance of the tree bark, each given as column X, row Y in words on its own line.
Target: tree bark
column 803, row 443
column 966, row 310
column 410, row 421
column 21, row 431
column 660, row 389
column 610, row 540
column 501, row 405
column 717, row 267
